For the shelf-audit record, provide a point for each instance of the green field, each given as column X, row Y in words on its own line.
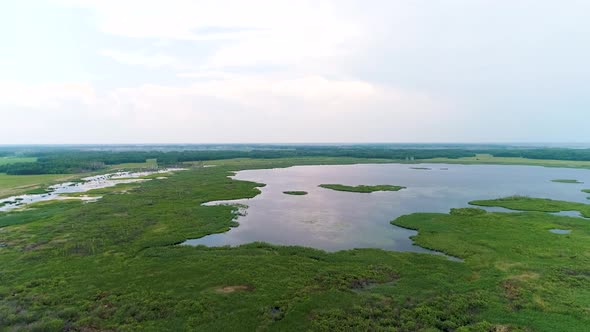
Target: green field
column 362, row 188
column 486, row 159
column 114, row 265
column 480, row 159
column 14, row 160
column 11, row 185
column 531, row 277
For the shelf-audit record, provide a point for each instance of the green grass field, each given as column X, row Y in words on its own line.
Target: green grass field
column 114, row 265
column 19, row 184
column 483, row 159
column 532, row 277
column 14, row 160
column 480, row 159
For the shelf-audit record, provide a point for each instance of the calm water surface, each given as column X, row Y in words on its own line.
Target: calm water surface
column 334, row 220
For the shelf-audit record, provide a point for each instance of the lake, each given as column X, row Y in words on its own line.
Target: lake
column 334, row 220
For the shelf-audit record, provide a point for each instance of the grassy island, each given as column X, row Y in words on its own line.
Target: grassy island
column 362, row 188
column 525, row 203
column 295, row 192
column 566, row 181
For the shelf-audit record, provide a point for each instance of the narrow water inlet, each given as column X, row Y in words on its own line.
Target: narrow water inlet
column 60, row 191
column 560, row 231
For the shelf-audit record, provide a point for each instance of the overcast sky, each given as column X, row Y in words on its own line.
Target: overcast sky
column 126, row 71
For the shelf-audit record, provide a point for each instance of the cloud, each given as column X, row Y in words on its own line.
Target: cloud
column 46, row 96
column 141, row 59
column 249, row 33
column 208, row 74
column 243, row 108
column 259, row 109
column 247, row 88
column 272, row 70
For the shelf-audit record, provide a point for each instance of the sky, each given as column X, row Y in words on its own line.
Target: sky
column 257, row 71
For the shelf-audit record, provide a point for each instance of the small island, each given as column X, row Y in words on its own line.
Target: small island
column 525, row 203
column 362, row 188
column 421, row 168
column 566, row 181
column 295, row 192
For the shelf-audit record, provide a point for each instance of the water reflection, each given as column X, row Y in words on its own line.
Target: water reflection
column 333, row 220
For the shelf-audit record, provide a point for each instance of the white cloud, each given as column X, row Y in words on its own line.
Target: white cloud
column 243, row 108
column 247, row 88
column 45, row 95
column 272, row 70
column 253, row 33
column 208, row 74
column 141, row 59
column 258, row 109
column 280, row 95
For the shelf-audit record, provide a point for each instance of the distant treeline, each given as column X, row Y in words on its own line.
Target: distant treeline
column 77, row 161
column 59, row 162
column 553, row 153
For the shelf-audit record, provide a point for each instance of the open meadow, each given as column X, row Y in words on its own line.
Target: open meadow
column 115, row 264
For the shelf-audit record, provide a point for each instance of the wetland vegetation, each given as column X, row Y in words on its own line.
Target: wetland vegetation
column 11, row 185
column 114, row 265
column 295, row 192
column 566, row 181
column 362, row 188
column 524, row 203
